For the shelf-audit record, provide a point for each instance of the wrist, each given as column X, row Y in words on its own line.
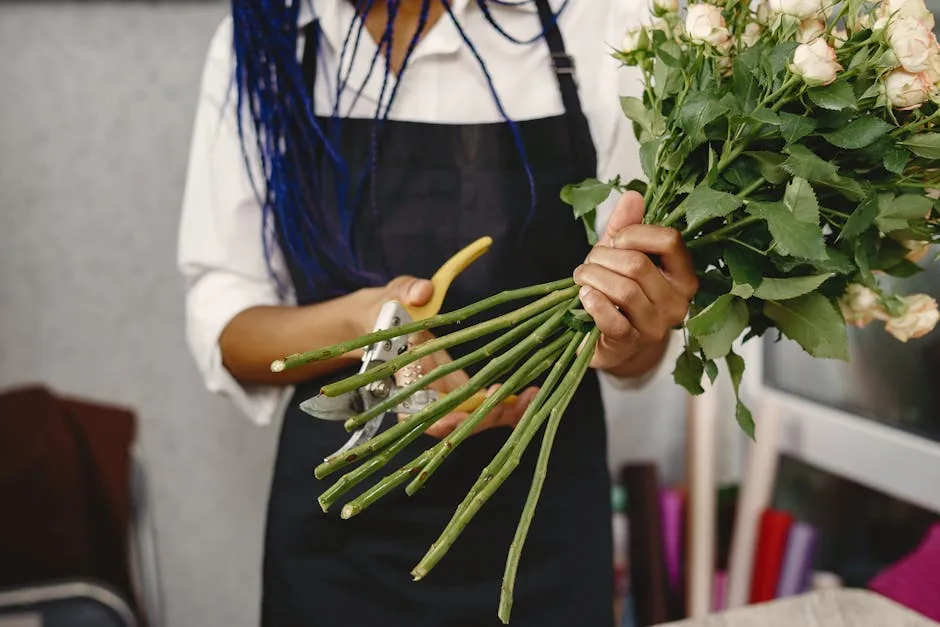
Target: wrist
column 645, row 359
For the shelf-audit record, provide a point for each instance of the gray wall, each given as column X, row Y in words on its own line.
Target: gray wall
column 95, row 116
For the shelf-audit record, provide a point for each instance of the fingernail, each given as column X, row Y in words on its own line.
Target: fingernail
column 415, row 289
column 583, row 293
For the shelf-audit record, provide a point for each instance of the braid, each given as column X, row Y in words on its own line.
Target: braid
column 316, row 235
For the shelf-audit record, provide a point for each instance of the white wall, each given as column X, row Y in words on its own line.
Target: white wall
column 95, row 115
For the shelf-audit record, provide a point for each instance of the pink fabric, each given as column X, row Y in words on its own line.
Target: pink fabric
column 914, row 581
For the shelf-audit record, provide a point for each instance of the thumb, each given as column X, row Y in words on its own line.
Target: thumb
column 412, row 291
column 629, row 211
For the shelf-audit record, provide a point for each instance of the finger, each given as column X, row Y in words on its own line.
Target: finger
column 625, row 294
column 668, row 245
column 608, row 319
column 629, row 210
column 410, row 290
column 668, row 303
column 446, row 424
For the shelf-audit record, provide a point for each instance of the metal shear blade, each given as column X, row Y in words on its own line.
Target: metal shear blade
column 347, row 405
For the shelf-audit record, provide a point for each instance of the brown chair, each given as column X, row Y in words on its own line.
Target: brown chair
column 71, row 493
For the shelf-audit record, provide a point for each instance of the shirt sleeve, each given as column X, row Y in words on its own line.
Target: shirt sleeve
column 220, row 249
column 619, row 154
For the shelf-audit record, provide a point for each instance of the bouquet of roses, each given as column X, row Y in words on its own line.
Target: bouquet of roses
column 793, row 143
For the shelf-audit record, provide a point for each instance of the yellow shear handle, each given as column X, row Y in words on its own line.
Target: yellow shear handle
column 441, row 282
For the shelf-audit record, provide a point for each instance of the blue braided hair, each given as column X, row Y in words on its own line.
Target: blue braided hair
column 295, row 151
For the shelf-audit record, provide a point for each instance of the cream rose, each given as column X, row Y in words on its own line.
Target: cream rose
column 900, row 9
column 906, row 91
column 932, row 74
column 919, row 318
column 912, row 43
column 810, row 30
column 666, row 6
column 860, row 305
column 815, row 62
column 762, row 13
column 800, row 9
column 705, row 24
column 751, row 34
column 634, row 39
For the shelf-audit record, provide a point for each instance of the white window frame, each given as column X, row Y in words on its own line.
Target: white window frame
column 900, row 464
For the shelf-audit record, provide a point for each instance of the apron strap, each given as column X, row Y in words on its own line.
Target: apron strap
column 582, row 145
column 308, row 63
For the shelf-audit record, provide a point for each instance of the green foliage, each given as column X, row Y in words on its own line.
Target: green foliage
column 786, row 193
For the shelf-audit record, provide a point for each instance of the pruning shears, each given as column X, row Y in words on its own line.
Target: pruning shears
column 391, row 315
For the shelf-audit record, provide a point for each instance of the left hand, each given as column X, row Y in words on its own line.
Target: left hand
column 506, row 414
column 634, row 302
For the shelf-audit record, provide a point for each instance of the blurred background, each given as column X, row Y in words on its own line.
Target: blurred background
column 96, row 113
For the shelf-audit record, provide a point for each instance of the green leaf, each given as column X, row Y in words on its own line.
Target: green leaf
column 812, row 322
column 745, row 73
column 800, row 199
column 837, row 96
column 586, row 196
column 895, row 160
column 667, row 80
column 636, row 111
column 785, row 289
column 704, row 204
column 904, row 269
column 860, row 219
column 741, row 173
column 711, row 318
column 742, row 413
column 793, row 128
column 671, row 54
column 648, row 152
column 858, row 133
column 770, row 166
column 792, row 237
column 746, row 270
column 765, row 116
column 718, row 343
column 779, row 57
column 804, row 162
column 895, row 214
column 676, row 158
column 688, row 373
column 859, row 58
column 698, row 110
column 649, row 120
column 926, row 145
column 711, row 369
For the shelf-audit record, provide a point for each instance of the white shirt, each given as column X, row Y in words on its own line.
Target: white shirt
column 220, row 247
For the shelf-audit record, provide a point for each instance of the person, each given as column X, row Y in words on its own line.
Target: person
column 342, row 151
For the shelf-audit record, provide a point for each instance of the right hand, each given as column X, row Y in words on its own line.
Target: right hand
column 407, row 290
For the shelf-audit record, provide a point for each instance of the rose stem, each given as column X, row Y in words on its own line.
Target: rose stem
column 488, row 350
column 558, row 370
column 419, row 421
column 538, row 363
column 463, row 516
column 299, row 359
column 451, row 339
column 541, row 469
column 391, row 481
column 386, row 485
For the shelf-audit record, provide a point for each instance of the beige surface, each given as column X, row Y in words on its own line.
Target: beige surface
column 831, row 608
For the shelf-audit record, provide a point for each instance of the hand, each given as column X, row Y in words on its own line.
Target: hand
column 634, row 302
column 503, row 415
column 407, row 290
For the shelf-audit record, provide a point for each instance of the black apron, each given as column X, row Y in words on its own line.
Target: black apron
column 437, row 187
